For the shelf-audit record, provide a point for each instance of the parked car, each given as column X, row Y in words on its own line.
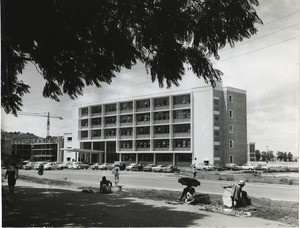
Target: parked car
column 130, row 166
column 95, row 166
column 138, row 167
column 120, row 164
column 78, row 165
column 51, row 166
column 205, row 167
column 171, row 169
column 148, row 168
column 158, row 168
column 62, row 166
column 37, row 165
column 264, row 167
column 106, row 166
column 248, row 166
column 232, row 166
column 218, row 167
column 29, row 166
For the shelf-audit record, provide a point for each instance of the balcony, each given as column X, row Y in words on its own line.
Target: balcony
column 141, row 136
column 142, row 122
column 181, row 148
column 186, row 105
column 161, row 148
column 143, row 149
column 161, row 121
column 186, row 134
column 125, row 149
column 125, row 136
column 164, row 135
column 181, row 120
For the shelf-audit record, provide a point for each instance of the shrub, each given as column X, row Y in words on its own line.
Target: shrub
column 286, row 181
column 230, row 178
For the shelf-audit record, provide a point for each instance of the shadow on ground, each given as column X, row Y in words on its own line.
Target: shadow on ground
column 58, row 207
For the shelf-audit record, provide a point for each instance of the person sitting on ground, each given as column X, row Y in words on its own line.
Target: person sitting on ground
column 188, row 189
column 236, row 194
column 105, row 185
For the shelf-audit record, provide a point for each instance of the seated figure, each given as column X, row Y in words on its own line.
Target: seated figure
column 105, row 185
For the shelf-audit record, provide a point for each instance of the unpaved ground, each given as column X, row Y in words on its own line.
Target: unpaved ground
column 45, row 205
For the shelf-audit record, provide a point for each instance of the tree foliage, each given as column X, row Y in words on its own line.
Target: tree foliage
column 80, row 43
column 257, row 155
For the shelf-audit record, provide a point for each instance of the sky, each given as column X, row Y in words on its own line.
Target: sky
column 266, row 66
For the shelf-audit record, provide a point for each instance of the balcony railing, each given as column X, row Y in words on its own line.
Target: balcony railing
column 143, row 149
column 126, row 124
column 143, row 136
column 181, row 120
column 96, row 126
column 110, row 112
column 110, row 136
column 161, row 148
column 125, row 149
column 166, row 135
column 126, row 111
column 161, row 121
column 110, row 125
column 181, row 148
column 181, row 105
column 161, row 107
column 125, row 136
column 143, row 109
column 182, row 134
column 142, row 122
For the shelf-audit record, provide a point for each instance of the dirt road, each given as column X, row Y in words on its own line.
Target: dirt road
column 40, row 205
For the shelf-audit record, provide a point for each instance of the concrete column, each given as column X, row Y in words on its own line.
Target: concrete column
column 136, row 158
column 154, row 158
column 105, row 147
column 174, row 159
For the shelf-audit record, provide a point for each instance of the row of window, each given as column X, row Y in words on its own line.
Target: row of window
column 162, row 129
column 139, row 105
column 179, row 115
column 184, row 144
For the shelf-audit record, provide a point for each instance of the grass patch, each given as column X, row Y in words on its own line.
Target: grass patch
column 281, row 211
column 57, row 182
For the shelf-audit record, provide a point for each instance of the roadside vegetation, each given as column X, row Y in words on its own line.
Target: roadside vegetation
column 281, row 211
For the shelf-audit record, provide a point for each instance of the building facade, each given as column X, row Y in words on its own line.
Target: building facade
column 48, row 149
column 201, row 125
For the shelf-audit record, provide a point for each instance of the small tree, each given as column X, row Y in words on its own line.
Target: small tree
column 280, row 155
column 290, row 156
column 263, row 155
column 257, row 155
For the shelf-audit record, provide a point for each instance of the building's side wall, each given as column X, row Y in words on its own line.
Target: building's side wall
column 203, row 125
column 238, row 108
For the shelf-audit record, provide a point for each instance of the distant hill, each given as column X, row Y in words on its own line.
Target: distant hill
column 16, row 136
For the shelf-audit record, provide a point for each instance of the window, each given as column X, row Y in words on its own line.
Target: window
column 231, row 159
column 68, row 159
column 230, row 129
column 230, row 114
column 230, row 143
column 69, row 138
column 230, row 98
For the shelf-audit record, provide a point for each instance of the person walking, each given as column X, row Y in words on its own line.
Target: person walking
column 115, row 171
column 194, row 172
column 11, row 175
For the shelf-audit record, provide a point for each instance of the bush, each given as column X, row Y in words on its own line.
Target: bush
column 286, row 181
column 230, row 178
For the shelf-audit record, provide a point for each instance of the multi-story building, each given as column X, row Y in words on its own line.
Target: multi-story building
column 39, row 149
column 200, row 125
column 251, row 151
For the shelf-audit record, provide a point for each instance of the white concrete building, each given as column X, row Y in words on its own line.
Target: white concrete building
column 199, row 125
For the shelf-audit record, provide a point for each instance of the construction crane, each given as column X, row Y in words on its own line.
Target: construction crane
column 47, row 114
